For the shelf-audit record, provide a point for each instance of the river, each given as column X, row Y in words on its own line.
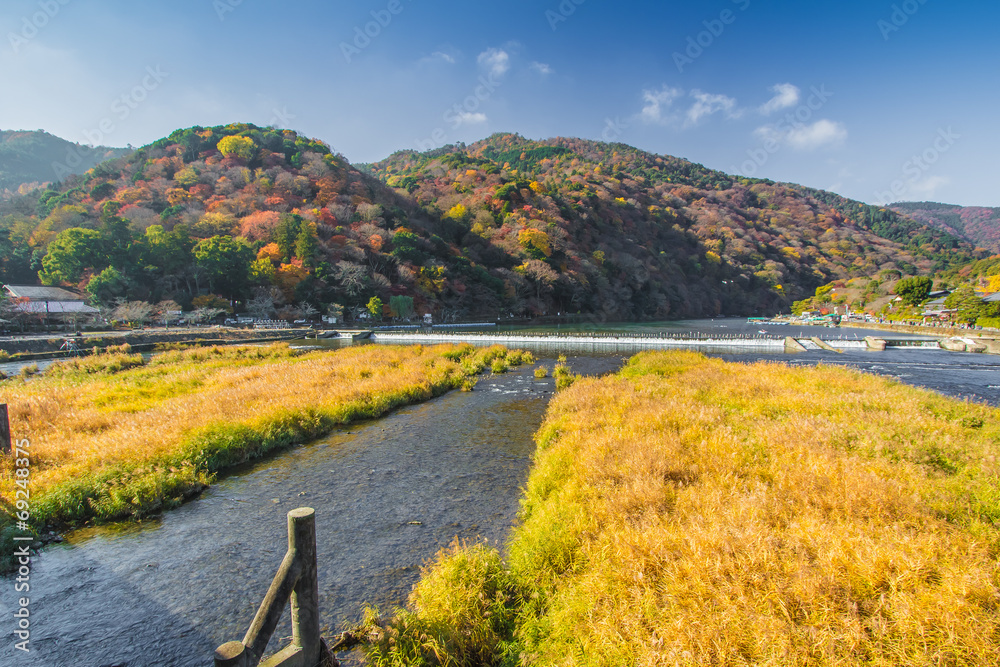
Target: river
column 388, row 495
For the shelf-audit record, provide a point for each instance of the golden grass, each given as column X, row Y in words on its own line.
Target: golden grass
column 110, row 440
column 462, row 613
column 694, row 512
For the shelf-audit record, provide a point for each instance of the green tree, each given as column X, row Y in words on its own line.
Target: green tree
column 226, row 263
column 166, row 252
column 374, row 307
column 72, row 252
column 306, row 244
column 401, row 307
column 914, row 290
column 968, row 307
column 404, row 246
column 108, row 286
column 117, row 235
column 15, row 260
column 286, row 234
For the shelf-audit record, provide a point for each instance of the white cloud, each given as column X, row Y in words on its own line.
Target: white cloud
column 707, row 104
column 436, row 59
column 770, row 133
column 541, row 68
column 466, row 118
column 821, row 133
column 495, row 61
column 785, row 95
column 926, row 188
column 658, row 103
column 804, row 137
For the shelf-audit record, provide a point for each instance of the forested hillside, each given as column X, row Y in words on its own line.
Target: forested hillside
column 626, row 231
column 976, row 224
column 31, row 159
column 273, row 222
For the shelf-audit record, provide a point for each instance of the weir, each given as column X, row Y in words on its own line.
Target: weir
column 609, row 340
column 616, row 341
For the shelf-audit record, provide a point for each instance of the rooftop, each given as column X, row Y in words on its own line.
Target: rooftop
column 42, row 293
column 57, row 307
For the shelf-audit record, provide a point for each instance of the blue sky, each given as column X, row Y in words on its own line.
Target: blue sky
column 879, row 101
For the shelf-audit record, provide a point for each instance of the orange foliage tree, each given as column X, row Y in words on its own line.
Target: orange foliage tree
column 288, row 277
column 260, row 225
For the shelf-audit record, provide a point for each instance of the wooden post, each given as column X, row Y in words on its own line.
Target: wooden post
column 232, row 654
column 305, row 595
column 294, row 582
column 4, row 429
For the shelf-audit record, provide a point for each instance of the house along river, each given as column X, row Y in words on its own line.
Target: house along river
column 388, row 495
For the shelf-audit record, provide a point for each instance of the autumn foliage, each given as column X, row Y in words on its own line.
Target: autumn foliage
column 502, row 227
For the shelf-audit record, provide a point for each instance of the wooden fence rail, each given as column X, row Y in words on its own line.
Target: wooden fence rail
column 4, row 429
column 295, row 582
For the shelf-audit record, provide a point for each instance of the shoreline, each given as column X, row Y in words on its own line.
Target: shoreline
column 145, row 340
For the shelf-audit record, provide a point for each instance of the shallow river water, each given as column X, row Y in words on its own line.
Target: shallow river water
column 388, row 495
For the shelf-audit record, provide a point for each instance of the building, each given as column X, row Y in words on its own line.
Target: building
column 48, row 305
column 936, row 310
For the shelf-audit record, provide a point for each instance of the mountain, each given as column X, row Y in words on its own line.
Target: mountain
column 976, row 224
column 272, row 220
column 31, row 159
column 632, row 234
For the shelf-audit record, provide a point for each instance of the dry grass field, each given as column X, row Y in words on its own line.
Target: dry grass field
column 693, row 512
column 114, row 437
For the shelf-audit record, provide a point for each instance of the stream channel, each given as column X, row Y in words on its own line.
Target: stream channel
column 388, row 495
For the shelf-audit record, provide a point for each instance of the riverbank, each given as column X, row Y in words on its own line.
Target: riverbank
column 24, row 348
column 920, row 330
column 116, row 436
column 691, row 511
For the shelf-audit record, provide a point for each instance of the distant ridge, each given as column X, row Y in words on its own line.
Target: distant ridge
column 34, row 158
column 979, row 225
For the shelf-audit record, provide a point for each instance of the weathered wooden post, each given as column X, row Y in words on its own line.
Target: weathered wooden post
column 295, row 582
column 232, row 654
column 305, row 595
column 4, row 429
